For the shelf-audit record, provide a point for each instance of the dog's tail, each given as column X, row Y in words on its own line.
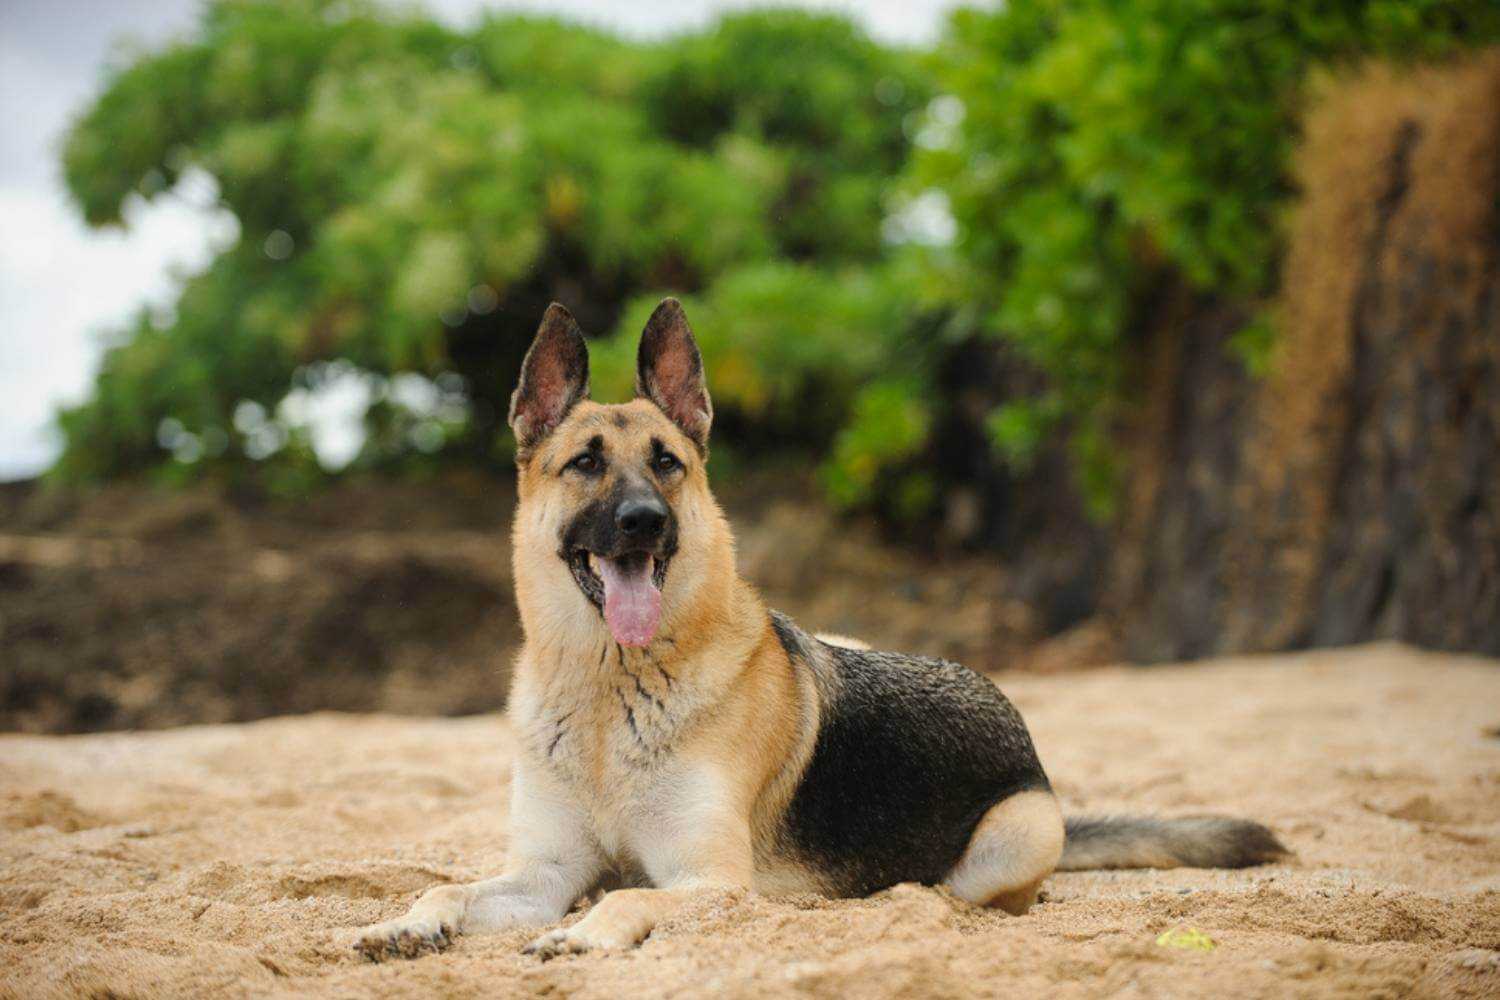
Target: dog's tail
column 1146, row 842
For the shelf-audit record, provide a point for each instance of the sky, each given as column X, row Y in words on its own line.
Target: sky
column 64, row 287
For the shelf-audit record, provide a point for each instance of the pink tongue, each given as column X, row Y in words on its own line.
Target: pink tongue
column 632, row 604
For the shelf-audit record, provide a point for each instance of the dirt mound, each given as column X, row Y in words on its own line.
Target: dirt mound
column 240, row 859
column 141, row 608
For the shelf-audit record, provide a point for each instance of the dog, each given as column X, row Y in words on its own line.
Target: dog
column 675, row 736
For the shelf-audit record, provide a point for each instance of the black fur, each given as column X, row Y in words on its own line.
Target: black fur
column 554, row 379
column 797, row 643
column 911, row 752
column 594, row 529
column 1095, row 842
column 681, row 392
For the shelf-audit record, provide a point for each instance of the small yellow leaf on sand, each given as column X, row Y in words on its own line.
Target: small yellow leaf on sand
column 1186, row 937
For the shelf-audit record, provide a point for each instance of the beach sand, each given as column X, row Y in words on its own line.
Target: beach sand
column 238, row 860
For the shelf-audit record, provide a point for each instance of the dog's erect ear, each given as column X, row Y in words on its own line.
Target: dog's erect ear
column 669, row 372
column 554, row 378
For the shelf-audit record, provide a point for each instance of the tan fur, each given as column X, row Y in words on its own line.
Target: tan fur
column 848, row 642
column 690, row 794
column 725, row 728
column 687, row 795
column 670, row 765
column 1015, row 846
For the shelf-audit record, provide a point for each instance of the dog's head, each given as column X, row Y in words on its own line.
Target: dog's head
column 615, row 520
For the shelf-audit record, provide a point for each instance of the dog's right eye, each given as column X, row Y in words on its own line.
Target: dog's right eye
column 587, row 463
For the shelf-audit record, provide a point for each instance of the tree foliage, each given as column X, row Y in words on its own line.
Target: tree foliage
column 1102, row 144
column 410, row 196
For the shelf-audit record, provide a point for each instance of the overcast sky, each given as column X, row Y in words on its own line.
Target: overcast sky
column 62, row 286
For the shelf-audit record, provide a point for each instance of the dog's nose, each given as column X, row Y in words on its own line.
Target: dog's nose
column 641, row 520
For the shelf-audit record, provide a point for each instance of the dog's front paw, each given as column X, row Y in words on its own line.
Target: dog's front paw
column 406, row 937
column 573, row 940
column 428, row 927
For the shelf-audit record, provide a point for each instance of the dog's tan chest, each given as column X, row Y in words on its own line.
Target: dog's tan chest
column 609, row 737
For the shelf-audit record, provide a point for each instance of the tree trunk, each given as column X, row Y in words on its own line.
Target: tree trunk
column 1354, row 493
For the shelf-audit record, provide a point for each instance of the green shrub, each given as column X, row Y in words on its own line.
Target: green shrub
column 410, row 197
column 1100, row 144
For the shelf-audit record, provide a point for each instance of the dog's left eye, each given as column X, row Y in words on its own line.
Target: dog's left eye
column 666, row 462
column 587, row 463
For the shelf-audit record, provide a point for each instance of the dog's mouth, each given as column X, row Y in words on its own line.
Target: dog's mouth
column 626, row 588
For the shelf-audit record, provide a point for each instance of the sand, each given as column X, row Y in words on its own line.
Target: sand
column 238, row 859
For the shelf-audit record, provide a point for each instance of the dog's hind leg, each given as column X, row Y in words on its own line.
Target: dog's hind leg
column 1015, row 846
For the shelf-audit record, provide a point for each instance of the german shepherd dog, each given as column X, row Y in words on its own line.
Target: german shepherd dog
column 675, row 736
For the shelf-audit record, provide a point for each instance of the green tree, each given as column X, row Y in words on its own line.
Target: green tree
column 410, row 197
column 1095, row 146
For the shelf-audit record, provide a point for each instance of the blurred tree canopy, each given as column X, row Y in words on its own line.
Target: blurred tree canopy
column 1101, row 145
column 409, row 198
column 839, row 215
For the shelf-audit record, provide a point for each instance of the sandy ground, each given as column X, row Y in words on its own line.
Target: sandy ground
column 237, row 860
